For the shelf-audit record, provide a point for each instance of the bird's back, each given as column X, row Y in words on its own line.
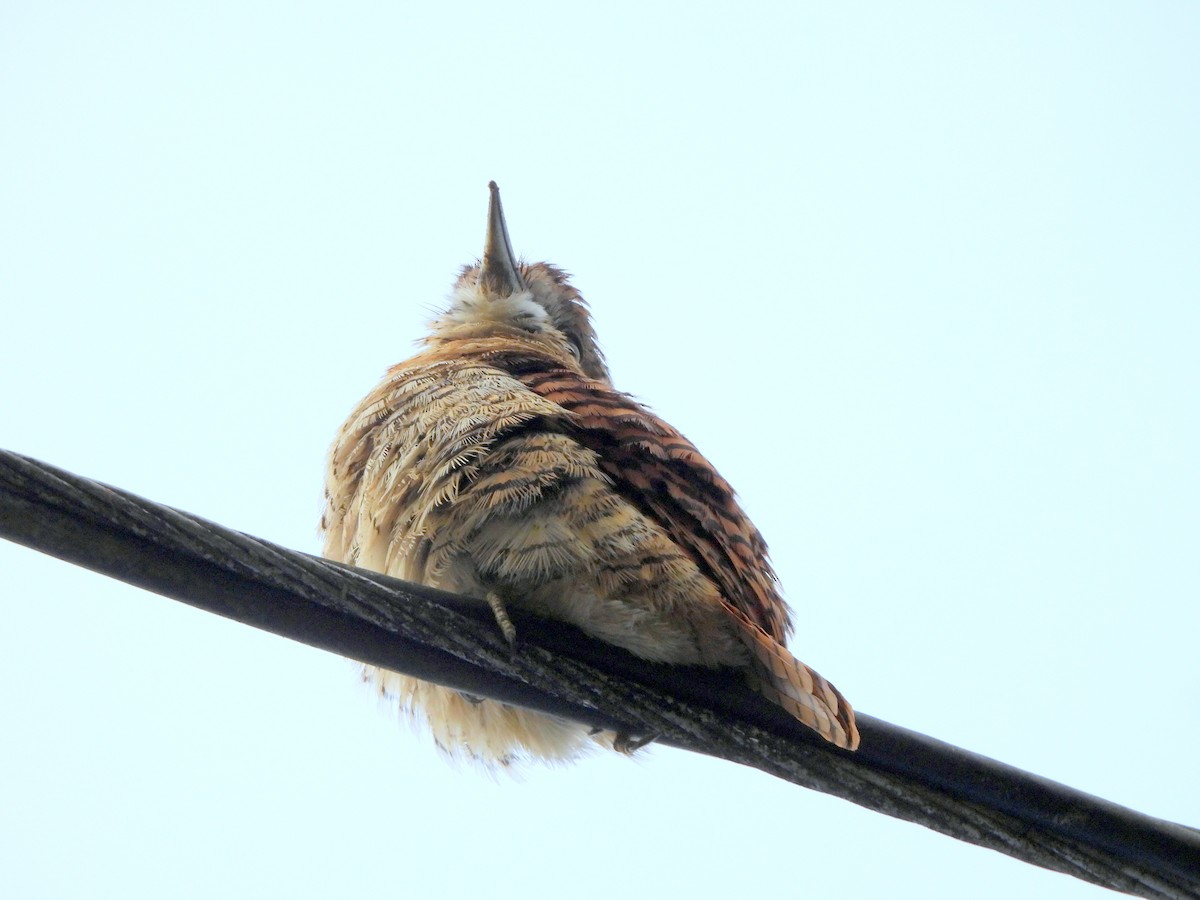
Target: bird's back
column 490, row 467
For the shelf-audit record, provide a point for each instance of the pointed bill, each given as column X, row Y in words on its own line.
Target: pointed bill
column 498, row 275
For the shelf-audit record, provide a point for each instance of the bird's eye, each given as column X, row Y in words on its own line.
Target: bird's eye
column 576, row 350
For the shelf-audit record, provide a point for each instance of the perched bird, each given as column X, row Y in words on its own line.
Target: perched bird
column 500, row 463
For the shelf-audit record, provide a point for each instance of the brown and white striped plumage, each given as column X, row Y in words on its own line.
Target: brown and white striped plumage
column 500, row 460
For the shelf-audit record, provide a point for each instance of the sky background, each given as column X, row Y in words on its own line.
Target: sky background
column 921, row 279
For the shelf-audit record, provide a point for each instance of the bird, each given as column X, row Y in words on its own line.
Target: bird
column 500, row 463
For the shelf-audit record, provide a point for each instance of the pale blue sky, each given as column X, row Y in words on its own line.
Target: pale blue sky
column 921, row 279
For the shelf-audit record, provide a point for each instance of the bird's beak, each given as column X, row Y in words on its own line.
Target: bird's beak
column 498, row 276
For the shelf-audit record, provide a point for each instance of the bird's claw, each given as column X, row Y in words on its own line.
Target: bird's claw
column 624, row 742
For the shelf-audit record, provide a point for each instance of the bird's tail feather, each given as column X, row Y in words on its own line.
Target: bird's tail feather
column 802, row 692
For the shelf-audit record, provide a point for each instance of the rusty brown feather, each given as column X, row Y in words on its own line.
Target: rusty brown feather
column 501, row 463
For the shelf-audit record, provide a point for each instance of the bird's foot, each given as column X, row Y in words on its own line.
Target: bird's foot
column 509, row 630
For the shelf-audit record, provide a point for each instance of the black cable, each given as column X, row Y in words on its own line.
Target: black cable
column 454, row 641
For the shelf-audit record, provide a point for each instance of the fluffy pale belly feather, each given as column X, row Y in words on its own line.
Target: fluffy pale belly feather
column 579, row 554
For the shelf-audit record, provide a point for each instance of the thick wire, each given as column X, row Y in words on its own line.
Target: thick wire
column 454, row 641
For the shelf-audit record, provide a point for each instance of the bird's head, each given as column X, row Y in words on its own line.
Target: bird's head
column 500, row 296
